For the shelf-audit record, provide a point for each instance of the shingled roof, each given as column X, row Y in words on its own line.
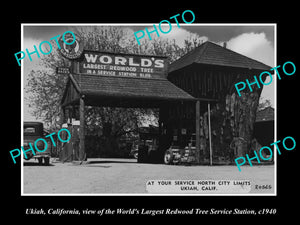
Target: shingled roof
column 266, row 114
column 106, row 86
column 213, row 54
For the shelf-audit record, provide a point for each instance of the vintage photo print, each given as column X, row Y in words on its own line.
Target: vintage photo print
column 168, row 109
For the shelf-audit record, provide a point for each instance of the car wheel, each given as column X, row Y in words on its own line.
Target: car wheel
column 40, row 161
column 46, row 161
column 168, row 157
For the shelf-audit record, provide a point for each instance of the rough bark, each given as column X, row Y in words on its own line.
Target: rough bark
column 232, row 124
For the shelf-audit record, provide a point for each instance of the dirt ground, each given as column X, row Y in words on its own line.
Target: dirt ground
column 126, row 176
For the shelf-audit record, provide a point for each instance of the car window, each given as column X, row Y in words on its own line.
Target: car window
column 29, row 130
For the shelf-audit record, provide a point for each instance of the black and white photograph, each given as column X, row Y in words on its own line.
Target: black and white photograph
column 148, row 109
column 145, row 112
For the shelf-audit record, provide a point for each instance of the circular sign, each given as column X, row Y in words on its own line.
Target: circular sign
column 71, row 46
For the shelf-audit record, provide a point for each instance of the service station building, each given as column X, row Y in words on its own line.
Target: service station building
column 195, row 96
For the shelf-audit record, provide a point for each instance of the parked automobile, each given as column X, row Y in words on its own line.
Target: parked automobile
column 173, row 155
column 33, row 131
column 176, row 155
column 145, row 151
column 134, row 152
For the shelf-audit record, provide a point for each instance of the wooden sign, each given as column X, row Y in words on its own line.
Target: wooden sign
column 123, row 65
column 62, row 70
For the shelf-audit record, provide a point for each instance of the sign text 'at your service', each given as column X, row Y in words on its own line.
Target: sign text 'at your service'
column 122, row 65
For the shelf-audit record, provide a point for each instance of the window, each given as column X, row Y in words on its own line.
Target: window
column 29, row 130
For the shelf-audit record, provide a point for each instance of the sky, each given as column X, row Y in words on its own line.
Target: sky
column 256, row 41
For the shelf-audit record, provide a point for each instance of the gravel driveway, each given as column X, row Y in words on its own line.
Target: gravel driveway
column 126, row 176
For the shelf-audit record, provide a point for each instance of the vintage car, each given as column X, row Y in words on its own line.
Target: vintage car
column 33, row 131
column 134, row 151
column 181, row 155
column 147, row 151
column 173, row 155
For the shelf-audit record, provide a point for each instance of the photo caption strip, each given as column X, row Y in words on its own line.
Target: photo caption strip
column 198, row 186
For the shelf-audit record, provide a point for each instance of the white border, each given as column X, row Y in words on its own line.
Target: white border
column 149, row 24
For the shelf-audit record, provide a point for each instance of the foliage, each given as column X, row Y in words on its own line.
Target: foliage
column 264, row 103
column 45, row 87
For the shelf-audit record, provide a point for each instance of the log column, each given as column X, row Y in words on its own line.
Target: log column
column 209, row 136
column 198, row 131
column 81, row 130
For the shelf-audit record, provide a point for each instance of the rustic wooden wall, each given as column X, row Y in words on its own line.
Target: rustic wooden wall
column 232, row 116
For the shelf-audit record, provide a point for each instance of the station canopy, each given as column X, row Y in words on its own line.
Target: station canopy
column 121, row 80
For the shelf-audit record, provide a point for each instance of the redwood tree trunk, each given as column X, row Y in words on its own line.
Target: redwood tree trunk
column 232, row 125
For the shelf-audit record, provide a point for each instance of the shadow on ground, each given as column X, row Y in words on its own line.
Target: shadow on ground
column 109, row 161
column 35, row 164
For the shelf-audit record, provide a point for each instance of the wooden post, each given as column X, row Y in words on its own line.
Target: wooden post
column 59, row 145
column 198, row 131
column 209, row 134
column 81, row 130
column 62, row 116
